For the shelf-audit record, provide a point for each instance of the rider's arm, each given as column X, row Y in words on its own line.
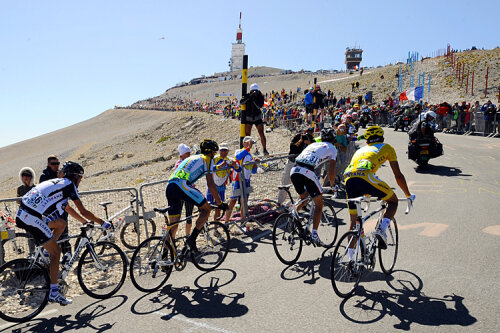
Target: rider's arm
column 86, row 213
column 400, row 178
column 213, row 189
column 74, row 214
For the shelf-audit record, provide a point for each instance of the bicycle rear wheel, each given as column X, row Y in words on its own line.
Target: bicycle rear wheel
column 148, row 267
column 128, row 234
column 24, row 291
column 388, row 256
column 287, row 243
column 16, row 248
column 328, row 227
column 346, row 272
column 213, row 246
column 102, row 269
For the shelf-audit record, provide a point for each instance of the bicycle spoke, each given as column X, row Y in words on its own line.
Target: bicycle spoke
column 346, row 270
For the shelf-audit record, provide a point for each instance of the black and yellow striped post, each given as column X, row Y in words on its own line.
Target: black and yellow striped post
column 243, row 107
column 315, row 111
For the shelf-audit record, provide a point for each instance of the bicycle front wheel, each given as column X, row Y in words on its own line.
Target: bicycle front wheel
column 24, row 290
column 287, row 243
column 346, row 270
column 102, row 269
column 128, row 234
column 328, row 227
column 213, row 246
column 151, row 264
column 388, row 256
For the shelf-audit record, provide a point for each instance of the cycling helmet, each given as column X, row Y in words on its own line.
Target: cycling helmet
column 71, row 169
column 430, row 113
column 208, row 146
column 374, row 134
column 328, row 135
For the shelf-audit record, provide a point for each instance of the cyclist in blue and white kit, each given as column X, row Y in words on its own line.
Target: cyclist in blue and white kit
column 305, row 180
column 180, row 188
column 40, row 214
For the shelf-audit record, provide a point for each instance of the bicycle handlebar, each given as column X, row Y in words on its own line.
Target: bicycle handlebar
column 370, row 199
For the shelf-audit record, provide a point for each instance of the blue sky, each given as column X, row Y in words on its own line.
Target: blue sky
column 62, row 62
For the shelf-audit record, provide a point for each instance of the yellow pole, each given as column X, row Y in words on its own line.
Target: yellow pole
column 243, row 107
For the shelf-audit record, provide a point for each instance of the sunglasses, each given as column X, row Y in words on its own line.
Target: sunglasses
column 55, row 163
column 26, row 175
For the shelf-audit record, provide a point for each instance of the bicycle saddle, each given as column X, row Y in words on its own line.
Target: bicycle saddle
column 284, row 187
column 105, row 203
column 162, row 210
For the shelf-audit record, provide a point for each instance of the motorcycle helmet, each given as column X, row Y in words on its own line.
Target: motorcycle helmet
column 431, row 114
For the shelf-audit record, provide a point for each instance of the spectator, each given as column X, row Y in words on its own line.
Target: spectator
column 476, row 117
column 308, row 103
column 319, row 103
column 51, row 171
column 254, row 101
column 185, row 152
column 27, row 178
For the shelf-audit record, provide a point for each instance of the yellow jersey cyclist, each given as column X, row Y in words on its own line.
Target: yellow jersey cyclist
column 360, row 179
column 180, row 188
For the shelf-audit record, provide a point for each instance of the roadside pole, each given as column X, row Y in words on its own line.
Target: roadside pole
column 243, row 107
column 315, row 111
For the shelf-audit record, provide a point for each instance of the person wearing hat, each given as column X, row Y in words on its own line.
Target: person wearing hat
column 185, row 152
column 222, row 167
column 27, row 178
column 246, row 168
column 254, row 101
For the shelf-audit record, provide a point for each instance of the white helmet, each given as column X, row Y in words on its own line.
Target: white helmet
column 254, row 86
column 430, row 113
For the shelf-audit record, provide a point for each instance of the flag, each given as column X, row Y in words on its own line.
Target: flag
column 413, row 94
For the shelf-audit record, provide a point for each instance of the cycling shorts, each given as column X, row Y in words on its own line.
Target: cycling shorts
column 368, row 184
column 33, row 222
column 304, row 179
column 179, row 190
column 222, row 194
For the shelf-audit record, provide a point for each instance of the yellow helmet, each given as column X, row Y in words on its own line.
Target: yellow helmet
column 374, row 134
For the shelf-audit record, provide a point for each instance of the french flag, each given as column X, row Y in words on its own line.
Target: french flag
column 413, row 94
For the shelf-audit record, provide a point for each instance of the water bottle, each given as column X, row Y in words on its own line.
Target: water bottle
column 358, row 226
column 65, row 259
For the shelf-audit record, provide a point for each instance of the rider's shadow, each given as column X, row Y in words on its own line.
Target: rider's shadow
column 408, row 304
column 310, row 270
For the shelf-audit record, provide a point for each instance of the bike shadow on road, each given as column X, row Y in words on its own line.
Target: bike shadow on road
column 441, row 170
column 310, row 270
column 405, row 301
column 204, row 301
column 82, row 320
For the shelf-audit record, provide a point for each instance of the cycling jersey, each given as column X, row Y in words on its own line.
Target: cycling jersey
column 370, row 158
column 50, row 197
column 193, row 168
column 316, row 154
column 221, row 176
column 244, row 158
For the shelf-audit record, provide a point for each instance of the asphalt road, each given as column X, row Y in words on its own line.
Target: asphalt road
column 445, row 278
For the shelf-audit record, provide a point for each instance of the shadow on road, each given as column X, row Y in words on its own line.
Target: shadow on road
column 310, row 270
column 406, row 302
column 206, row 301
column 82, row 320
column 441, row 170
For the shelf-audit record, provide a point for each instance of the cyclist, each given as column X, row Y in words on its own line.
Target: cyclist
column 40, row 214
column 180, row 188
column 360, row 179
column 305, row 180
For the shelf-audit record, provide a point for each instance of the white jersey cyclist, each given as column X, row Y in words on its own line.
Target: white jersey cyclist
column 50, row 198
column 316, row 153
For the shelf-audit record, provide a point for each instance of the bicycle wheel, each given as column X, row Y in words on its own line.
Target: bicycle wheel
column 148, row 269
column 213, row 245
column 328, row 227
column 346, row 272
column 102, row 269
column 24, row 290
column 128, row 234
column 388, row 256
column 16, row 248
column 287, row 243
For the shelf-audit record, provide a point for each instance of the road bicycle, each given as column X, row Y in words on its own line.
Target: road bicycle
column 14, row 244
column 25, row 283
column 347, row 270
column 129, row 227
column 292, row 229
column 152, row 261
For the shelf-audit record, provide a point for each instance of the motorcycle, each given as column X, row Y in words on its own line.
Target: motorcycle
column 422, row 150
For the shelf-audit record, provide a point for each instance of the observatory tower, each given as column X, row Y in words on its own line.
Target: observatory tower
column 237, row 51
column 353, row 57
